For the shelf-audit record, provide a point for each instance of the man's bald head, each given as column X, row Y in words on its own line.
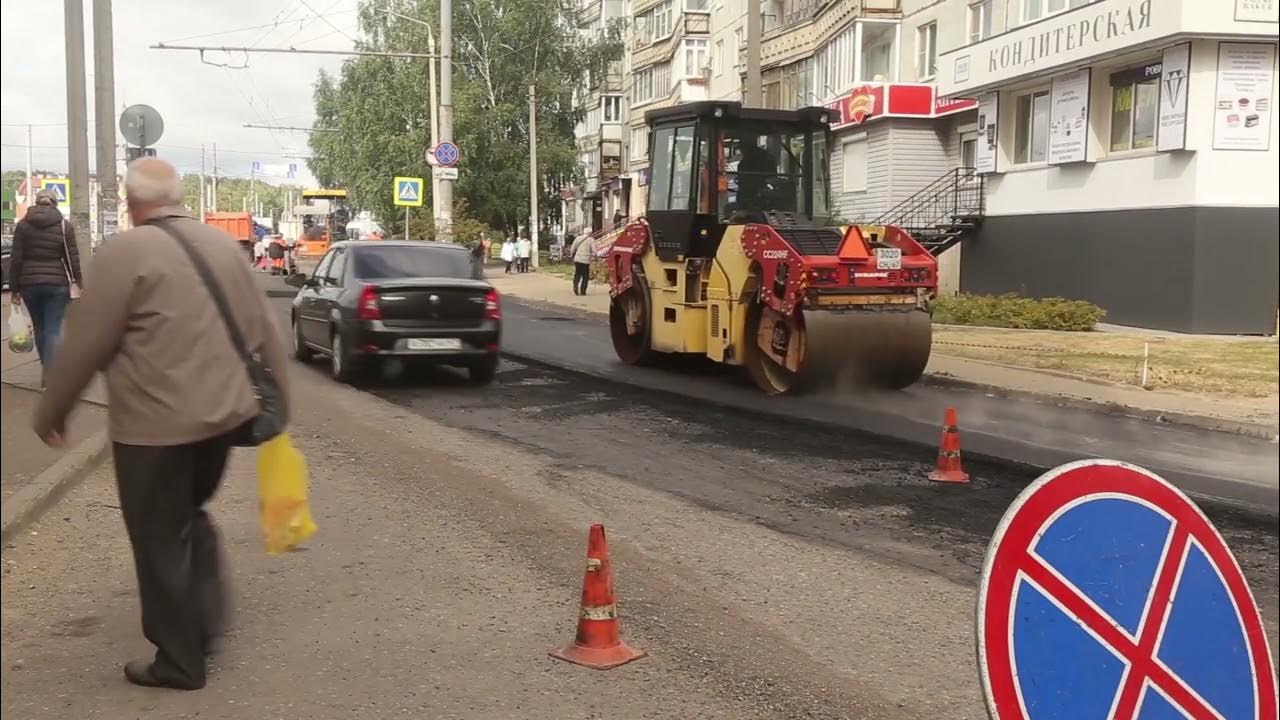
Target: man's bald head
column 149, row 185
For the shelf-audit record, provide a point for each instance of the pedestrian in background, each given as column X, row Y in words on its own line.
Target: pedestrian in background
column 583, row 252
column 508, row 253
column 525, row 249
column 44, row 272
column 179, row 397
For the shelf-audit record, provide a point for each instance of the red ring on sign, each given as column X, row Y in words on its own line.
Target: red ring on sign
column 1008, row 556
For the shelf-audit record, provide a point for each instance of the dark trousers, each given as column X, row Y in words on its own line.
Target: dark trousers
column 47, row 306
column 508, row 271
column 176, row 550
column 581, row 274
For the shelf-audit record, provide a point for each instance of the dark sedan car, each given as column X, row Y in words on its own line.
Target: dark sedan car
column 371, row 300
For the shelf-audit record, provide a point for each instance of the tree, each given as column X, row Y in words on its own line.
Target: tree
column 501, row 47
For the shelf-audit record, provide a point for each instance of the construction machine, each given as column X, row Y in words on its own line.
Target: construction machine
column 736, row 258
column 325, row 216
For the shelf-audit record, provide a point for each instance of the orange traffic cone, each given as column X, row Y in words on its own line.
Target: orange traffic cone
column 948, row 469
column 598, row 644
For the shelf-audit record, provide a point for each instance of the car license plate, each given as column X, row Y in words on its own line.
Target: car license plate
column 889, row 258
column 435, row 344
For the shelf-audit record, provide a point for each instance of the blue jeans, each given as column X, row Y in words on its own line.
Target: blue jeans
column 46, row 304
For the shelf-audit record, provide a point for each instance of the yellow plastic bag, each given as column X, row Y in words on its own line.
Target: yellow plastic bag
column 282, row 495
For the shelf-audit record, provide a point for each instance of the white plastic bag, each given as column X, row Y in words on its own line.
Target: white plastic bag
column 21, row 335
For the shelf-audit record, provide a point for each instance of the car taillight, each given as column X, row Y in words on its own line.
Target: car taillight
column 492, row 308
column 368, row 307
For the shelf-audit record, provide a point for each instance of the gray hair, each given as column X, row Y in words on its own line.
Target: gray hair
column 46, row 197
column 152, row 181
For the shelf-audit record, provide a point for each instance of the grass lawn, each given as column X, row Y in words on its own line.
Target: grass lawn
column 1229, row 368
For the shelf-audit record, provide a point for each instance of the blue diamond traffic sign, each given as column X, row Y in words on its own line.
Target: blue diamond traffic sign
column 447, row 154
column 60, row 187
column 1106, row 593
column 408, row 191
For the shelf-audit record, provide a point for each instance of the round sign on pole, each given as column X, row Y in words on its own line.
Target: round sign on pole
column 446, row 154
column 1106, row 593
column 141, row 125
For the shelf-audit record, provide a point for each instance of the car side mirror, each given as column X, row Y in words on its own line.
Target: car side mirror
column 298, row 280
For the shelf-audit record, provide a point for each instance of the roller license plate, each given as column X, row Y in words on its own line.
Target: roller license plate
column 434, row 344
column 889, row 258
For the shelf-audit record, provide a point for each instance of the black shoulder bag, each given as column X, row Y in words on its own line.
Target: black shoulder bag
column 270, row 420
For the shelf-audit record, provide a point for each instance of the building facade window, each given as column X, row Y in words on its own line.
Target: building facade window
column 979, row 21
column 695, row 57
column 697, row 5
column 657, row 22
column 1033, row 10
column 717, row 59
column 878, row 50
column 853, row 155
column 1031, row 128
column 927, row 51
column 796, row 81
column 639, row 143
column 833, row 65
column 642, row 86
column 1135, row 96
column 612, row 105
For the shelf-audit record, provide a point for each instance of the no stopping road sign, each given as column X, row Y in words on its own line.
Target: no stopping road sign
column 1107, row 593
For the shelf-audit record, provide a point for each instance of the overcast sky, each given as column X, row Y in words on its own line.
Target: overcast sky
column 201, row 104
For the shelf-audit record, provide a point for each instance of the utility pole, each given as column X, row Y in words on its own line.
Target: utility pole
column 253, row 189
column 215, row 177
column 754, row 92
column 77, row 124
column 104, row 104
column 446, row 111
column 434, row 117
column 202, row 187
column 533, row 175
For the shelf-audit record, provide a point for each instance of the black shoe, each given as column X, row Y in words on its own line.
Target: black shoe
column 140, row 672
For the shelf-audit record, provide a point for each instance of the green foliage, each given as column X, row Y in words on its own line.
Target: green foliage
column 234, row 192
column 380, row 106
column 466, row 229
column 1013, row 311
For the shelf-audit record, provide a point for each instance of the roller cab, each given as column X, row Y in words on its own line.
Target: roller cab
column 736, row 258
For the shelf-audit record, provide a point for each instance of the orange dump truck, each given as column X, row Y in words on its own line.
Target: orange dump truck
column 238, row 225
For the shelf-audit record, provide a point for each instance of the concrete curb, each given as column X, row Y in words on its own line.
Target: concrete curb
column 44, row 490
column 1203, row 422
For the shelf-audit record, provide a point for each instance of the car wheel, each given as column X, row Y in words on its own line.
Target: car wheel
column 340, row 361
column 300, row 349
column 482, row 372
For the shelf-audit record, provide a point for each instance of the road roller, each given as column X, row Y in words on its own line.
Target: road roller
column 736, row 259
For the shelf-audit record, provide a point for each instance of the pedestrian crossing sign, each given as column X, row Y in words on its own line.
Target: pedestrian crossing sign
column 60, row 187
column 408, row 191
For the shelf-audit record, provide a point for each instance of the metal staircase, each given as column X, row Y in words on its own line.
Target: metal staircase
column 942, row 214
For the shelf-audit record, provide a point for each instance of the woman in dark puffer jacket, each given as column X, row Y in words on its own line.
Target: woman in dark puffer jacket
column 45, row 263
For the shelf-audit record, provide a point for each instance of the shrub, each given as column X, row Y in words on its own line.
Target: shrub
column 1013, row 311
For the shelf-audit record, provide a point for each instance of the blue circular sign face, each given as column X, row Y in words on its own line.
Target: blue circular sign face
column 447, row 154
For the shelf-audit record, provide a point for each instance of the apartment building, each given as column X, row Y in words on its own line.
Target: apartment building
column 668, row 62
column 1129, row 151
column 599, row 134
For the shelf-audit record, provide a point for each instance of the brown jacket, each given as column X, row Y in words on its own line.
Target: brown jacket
column 148, row 322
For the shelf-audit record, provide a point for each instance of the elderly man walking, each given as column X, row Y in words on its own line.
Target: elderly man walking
column 179, row 397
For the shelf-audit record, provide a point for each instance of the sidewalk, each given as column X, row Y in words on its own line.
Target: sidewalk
column 1257, row 416
column 22, row 456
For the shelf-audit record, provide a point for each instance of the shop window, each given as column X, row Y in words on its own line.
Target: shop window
column 1135, row 96
column 979, row 21
column 877, row 52
column 969, row 151
column 927, row 51
column 1031, row 128
column 853, row 154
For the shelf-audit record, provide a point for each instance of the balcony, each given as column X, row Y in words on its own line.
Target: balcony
column 810, row 24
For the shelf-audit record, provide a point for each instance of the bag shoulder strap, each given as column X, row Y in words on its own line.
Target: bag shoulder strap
column 211, row 283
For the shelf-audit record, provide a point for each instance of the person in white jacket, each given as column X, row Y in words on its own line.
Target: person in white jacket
column 583, row 252
column 508, row 253
column 524, row 248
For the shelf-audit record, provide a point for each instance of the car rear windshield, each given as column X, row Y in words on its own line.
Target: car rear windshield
column 400, row 261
